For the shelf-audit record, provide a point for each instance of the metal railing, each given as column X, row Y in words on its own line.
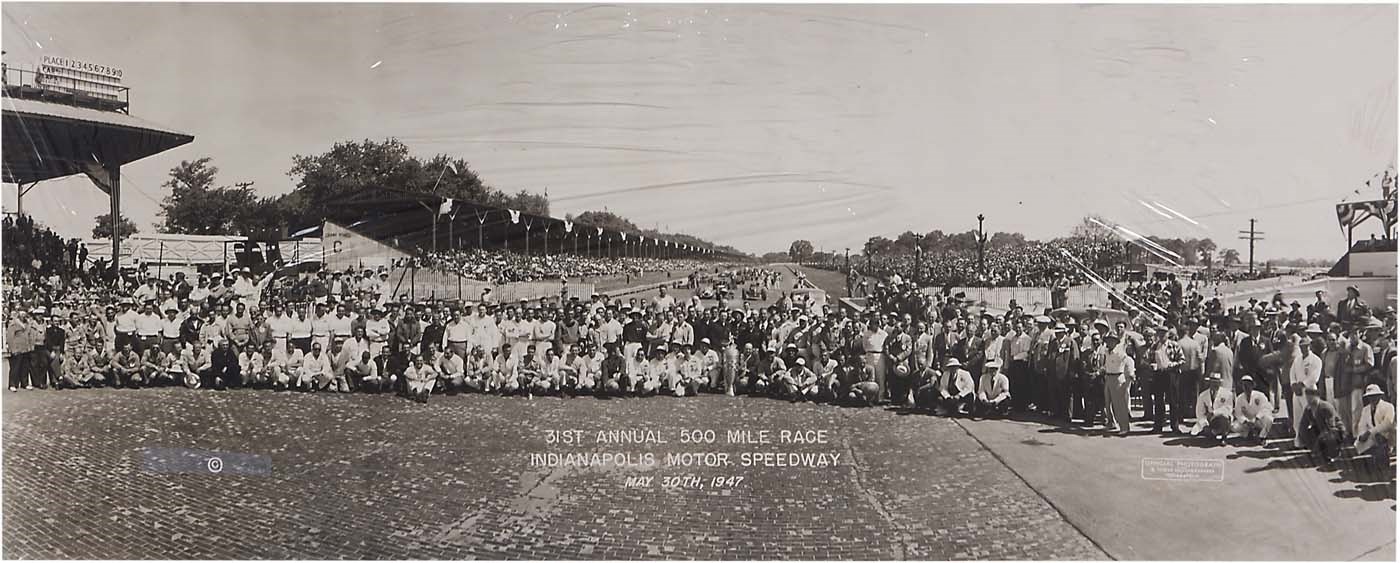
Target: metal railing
column 35, row 85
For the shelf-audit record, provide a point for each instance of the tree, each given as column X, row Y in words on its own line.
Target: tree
column 1229, row 257
column 607, row 220
column 351, row 168
column 877, row 245
column 196, row 206
column 1205, row 248
column 103, row 227
column 1090, row 228
column 800, row 250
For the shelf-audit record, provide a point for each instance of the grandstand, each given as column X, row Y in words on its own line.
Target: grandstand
column 416, row 222
column 58, row 124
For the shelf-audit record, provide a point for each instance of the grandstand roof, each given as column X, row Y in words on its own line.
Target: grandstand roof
column 401, row 219
column 44, row 140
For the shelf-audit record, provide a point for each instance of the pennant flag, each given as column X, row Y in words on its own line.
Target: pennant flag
column 514, row 216
column 446, row 207
column 1383, row 209
column 568, row 226
column 451, row 167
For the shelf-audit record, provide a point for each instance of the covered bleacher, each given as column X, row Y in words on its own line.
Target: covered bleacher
column 405, row 221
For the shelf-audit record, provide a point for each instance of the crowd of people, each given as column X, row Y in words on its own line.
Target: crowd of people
column 35, row 250
column 1033, row 264
column 1328, row 370
column 497, row 266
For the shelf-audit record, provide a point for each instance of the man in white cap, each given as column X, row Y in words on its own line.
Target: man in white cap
column 1375, row 430
column 1254, row 414
column 710, row 365
column 1214, row 407
column 1306, row 373
column 798, row 382
column 993, row 391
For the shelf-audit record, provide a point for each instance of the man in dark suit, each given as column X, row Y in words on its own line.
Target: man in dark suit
column 1321, row 429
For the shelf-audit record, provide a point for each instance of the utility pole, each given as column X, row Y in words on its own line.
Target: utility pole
column 1251, row 235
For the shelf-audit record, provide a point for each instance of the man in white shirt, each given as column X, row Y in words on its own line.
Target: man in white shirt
column 956, row 389
column 452, row 371
column 363, row 373
column 316, row 371
column 1254, row 414
column 148, row 325
column 1375, row 430
column 1214, row 407
column 1306, row 373
column 1119, row 373
column 458, row 334
column 421, row 376
column 663, row 302
column 292, row 359
column 994, row 390
column 612, row 329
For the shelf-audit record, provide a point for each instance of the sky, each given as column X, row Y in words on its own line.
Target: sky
column 755, row 125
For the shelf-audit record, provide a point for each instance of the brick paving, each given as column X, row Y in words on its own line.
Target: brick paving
column 376, row 477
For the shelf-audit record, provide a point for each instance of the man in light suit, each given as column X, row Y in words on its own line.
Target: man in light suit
column 1254, row 414
column 993, row 391
column 1375, row 431
column 1214, row 407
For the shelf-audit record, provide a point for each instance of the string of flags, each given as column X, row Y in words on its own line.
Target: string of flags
column 1352, row 214
column 1347, row 213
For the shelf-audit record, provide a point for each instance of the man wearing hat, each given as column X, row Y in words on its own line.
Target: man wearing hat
column 1165, row 359
column 1321, row 429
column 1254, row 414
column 1375, row 429
column 634, row 334
column 993, row 391
column 798, row 382
column 1214, row 407
column 1352, row 310
column 1041, row 364
column 954, row 391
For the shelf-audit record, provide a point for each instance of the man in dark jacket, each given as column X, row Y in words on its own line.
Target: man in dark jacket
column 1321, row 429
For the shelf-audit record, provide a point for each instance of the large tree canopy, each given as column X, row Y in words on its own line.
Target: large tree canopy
column 102, row 228
column 196, row 206
column 351, row 168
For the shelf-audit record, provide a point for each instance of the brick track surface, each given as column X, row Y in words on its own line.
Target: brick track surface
column 378, row 477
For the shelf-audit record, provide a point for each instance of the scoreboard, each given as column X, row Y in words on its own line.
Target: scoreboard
column 80, row 77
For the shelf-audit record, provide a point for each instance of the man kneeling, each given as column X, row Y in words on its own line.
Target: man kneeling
column 1375, row 431
column 994, row 391
column 1254, row 414
column 1213, row 409
column 953, row 391
column 421, row 376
